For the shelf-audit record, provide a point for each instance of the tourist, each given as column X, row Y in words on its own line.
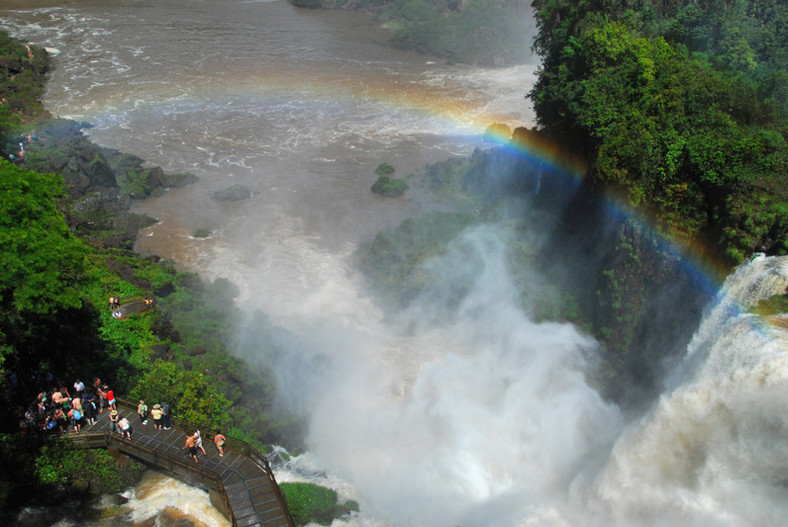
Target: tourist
column 65, row 403
column 113, row 421
column 165, row 415
column 198, row 442
column 102, row 395
column 76, row 403
column 89, row 408
column 192, row 448
column 110, row 398
column 155, row 413
column 125, row 428
column 60, row 418
column 219, row 441
column 142, row 411
column 75, row 416
column 79, row 387
column 49, row 423
column 57, row 398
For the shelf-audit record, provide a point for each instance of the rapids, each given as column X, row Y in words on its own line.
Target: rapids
column 477, row 417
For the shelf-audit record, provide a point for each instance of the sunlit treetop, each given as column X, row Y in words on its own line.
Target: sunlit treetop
column 41, row 263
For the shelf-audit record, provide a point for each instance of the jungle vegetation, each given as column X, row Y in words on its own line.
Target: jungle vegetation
column 678, row 107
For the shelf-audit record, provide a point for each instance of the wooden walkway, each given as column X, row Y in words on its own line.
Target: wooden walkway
column 241, row 484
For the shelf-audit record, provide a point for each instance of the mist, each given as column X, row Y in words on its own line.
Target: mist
column 461, row 410
column 454, row 412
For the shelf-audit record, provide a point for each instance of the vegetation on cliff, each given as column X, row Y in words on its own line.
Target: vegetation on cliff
column 65, row 247
column 387, row 186
column 680, row 108
column 310, row 503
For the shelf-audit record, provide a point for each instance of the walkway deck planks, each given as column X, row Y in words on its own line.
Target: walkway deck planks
column 251, row 496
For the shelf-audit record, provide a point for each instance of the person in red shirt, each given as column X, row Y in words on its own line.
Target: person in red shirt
column 110, row 398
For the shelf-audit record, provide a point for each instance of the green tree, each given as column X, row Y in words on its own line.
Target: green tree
column 193, row 397
column 58, row 464
column 41, row 264
column 677, row 111
column 41, row 268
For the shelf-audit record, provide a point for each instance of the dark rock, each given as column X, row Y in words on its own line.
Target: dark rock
column 497, row 132
column 116, row 499
column 178, row 180
column 234, row 193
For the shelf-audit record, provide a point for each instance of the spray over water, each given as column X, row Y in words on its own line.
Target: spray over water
column 470, row 418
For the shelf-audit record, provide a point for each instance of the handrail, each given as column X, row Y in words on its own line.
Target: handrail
column 234, row 444
column 105, row 439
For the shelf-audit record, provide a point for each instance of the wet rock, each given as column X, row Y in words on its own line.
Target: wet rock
column 34, row 517
column 234, row 193
column 178, row 180
column 116, row 499
column 389, row 187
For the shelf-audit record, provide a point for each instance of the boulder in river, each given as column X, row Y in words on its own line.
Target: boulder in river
column 233, row 193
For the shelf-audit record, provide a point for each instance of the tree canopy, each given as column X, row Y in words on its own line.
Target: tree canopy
column 41, row 264
column 681, row 108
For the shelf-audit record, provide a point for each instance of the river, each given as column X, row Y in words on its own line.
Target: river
column 482, row 418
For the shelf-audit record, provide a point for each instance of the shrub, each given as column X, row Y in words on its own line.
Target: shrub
column 310, row 503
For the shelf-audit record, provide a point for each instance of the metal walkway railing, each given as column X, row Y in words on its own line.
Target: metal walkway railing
column 241, row 483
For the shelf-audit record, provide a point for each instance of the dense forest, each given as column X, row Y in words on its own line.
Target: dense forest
column 679, row 109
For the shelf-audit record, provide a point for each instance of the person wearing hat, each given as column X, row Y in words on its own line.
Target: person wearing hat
column 156, row 414
column 113, row 421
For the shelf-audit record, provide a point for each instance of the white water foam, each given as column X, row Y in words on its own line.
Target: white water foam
column 714, row 449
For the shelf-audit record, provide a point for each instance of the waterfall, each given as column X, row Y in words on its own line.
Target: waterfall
column 713, row 450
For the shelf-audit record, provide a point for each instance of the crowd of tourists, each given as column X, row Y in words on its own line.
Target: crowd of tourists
column 62, row 410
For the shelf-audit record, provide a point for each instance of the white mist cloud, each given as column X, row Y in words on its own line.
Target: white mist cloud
column 475, row 420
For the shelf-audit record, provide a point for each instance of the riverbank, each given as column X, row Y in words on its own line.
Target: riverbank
column 68, row 219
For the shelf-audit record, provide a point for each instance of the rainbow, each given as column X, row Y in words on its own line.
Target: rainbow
column 391, row 95
column 699, row 262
